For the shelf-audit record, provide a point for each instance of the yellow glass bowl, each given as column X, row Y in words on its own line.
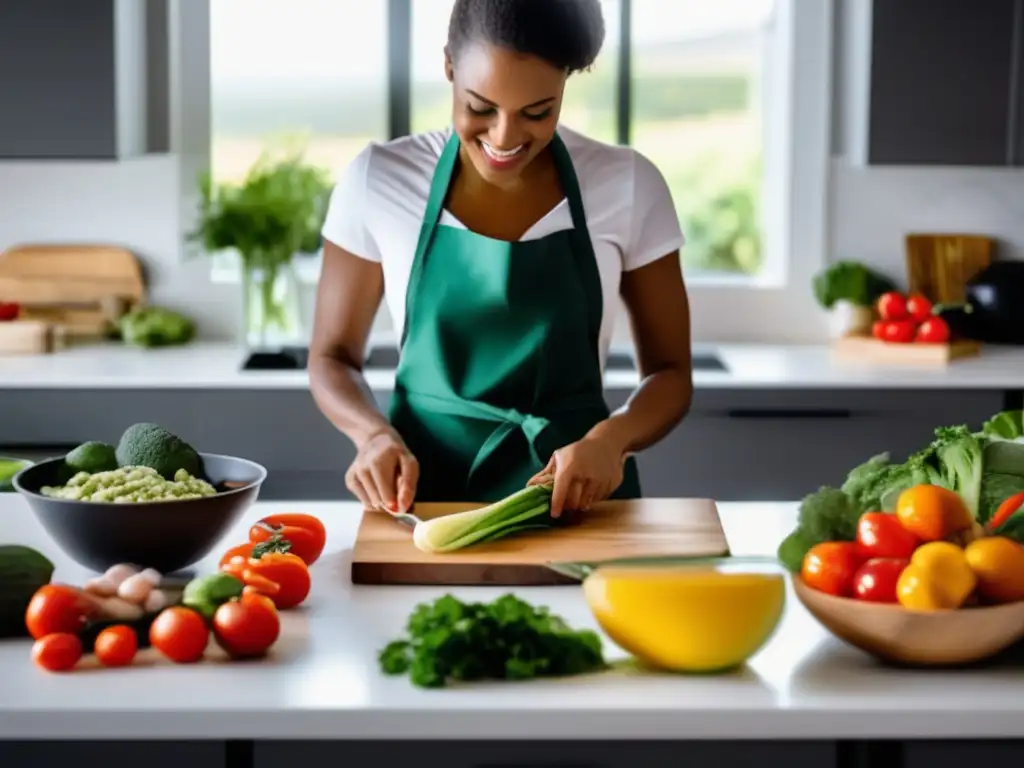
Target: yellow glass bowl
column 687, row 618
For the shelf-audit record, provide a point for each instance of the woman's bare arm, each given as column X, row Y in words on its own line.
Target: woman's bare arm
column 347, row 300
column 659, row 315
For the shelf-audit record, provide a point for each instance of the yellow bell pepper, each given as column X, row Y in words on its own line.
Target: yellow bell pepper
column 937, row 578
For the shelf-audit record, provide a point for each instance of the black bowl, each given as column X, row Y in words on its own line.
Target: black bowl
column 165, row 535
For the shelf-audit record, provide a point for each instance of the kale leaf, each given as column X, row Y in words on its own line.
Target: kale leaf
column 508, row 639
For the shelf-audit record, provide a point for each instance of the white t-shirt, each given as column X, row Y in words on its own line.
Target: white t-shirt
column 378, row 204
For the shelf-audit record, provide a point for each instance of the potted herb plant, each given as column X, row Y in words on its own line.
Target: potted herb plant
column 848, row 290
column 268, row 218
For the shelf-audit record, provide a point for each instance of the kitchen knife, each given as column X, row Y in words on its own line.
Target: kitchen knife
column 406, row 518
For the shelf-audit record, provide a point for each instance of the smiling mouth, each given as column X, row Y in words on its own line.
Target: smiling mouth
column 502, row 155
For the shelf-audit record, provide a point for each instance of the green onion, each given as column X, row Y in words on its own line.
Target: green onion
column 528, row 509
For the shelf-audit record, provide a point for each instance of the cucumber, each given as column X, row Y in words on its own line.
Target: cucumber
column 23, row 571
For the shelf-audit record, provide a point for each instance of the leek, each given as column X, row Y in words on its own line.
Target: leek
column 528, row 509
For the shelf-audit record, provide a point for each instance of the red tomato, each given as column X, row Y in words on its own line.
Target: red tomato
column 830, row 567
column 116, row 646
column 180, row 634
column 242, row 550
column 878, row 329
column 892, row 306
column 9, row 311
column 57, row 652
column 918, row 307
column 304, row 535
column 934, row 330
column 58, row 608
column 899, row 331
column 875, row 581
column 883, row 535
column 246, row 628
column 286, row 570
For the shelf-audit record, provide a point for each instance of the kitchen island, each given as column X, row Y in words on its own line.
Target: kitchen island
column 805, row 691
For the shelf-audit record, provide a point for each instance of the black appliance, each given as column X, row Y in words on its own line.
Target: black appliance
column 993, row 310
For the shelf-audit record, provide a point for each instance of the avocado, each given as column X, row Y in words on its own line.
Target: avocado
column 92, row 457
column 150, row 445
column 23, row 571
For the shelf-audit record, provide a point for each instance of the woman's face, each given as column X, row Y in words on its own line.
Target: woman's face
column 505, row 110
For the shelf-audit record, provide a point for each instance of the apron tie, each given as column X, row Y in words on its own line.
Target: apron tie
column 508, row 420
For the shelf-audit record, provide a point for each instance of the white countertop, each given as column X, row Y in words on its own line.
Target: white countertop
column 323, row 681
column 212, row 365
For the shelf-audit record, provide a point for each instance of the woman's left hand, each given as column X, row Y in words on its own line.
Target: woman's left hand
column 584, row 472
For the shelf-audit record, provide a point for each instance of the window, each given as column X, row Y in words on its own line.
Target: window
column 697, row 73
column 310, row 68
column 730, row 99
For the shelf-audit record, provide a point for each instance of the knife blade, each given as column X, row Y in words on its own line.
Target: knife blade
column 406, row 518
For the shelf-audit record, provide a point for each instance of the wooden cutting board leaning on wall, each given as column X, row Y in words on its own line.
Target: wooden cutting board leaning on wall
column 80, row 291
column 384, row 552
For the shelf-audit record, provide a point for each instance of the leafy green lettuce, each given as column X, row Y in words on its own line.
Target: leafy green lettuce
column 984, row 468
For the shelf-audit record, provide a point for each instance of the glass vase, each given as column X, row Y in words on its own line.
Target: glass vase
column 271, row 308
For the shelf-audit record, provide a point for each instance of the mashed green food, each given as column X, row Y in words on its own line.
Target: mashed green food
column 130, row 484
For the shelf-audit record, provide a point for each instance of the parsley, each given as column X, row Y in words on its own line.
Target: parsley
column 508, row 639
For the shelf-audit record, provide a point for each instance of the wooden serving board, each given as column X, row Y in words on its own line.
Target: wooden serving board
column 384, row 552
column 870, row 350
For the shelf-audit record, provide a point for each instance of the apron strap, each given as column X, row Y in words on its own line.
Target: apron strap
column 432, row 215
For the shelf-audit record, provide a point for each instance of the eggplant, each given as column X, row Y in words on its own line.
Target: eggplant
column 993, row 312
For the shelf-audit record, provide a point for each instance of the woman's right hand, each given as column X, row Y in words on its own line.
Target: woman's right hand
column 384, row 473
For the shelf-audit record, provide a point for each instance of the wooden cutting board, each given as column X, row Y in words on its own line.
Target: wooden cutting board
column 384, row 552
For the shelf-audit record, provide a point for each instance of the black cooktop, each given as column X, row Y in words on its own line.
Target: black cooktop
column 386, row 358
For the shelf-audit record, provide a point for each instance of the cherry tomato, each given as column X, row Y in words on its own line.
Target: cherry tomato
column 58, row 608
column 1006, row 510
column 875, row 581
column 830, row 567
column 899, row 331
column 882, row 535
column 180, row 634
column 892, row 306
column 116, row 646
column 248, row 627
column 305, row 535
column 878, row 329
column 57, row 652
column 934, row 330
column 932, row 512
column 286, row 570
column 241, row 550
column 918, row 307
column 9, row 311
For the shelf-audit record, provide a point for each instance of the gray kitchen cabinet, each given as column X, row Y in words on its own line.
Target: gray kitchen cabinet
column 757, row 445
column 736, row 445
column 162, row 754
column 944, row 84
column 80, row 80
column 550, row 754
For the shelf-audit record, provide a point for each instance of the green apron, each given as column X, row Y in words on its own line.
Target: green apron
column 499, row 364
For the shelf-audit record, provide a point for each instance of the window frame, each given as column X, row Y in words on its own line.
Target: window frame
column 796, row 181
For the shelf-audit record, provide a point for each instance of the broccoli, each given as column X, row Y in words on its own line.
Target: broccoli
column 828, row 514
column 150, row 445
column 156, row 327
column 92, row 457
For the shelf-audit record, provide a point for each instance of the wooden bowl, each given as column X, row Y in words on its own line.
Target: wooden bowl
column 894, row 634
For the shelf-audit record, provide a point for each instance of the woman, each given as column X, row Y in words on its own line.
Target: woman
column 501, row 246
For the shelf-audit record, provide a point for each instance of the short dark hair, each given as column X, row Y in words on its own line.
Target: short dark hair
column 567, row 34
